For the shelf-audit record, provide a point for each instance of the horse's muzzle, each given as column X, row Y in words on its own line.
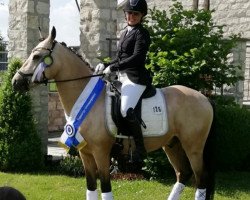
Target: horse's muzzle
column 21, row 85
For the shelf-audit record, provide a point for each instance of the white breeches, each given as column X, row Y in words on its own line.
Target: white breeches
column 130, row 93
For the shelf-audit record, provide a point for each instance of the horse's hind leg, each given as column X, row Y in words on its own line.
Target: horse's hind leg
column 91, row 176
column 196, row 160
column 180, row 163
column 205, row 186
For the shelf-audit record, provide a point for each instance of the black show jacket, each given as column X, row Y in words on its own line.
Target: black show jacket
column 131, row 55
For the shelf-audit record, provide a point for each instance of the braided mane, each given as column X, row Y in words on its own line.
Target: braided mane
column 75, row 51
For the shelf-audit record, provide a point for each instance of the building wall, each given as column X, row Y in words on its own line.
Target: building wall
column 98, row 22
column 56, row 117
column 234, row 14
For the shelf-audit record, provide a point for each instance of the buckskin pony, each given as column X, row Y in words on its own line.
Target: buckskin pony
column 186, row 143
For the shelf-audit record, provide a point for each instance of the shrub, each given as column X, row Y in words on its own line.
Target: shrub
column 157, row 166
column 233, row 139
column 20, row 145
column 72, row 166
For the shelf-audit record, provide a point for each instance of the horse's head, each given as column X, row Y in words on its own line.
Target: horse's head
column 38, row 67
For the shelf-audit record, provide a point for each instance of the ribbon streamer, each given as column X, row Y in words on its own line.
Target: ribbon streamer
column 71, row 136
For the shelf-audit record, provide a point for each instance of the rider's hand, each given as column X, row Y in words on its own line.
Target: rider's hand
column 107, row 71
column 99, row 68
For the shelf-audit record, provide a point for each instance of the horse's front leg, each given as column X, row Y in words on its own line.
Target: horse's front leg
column 91, row 176
column 103, row 165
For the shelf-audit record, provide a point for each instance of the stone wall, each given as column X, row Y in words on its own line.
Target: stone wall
column 234, row 14
column 56, row 118
column 98, row 22
column 25, row 16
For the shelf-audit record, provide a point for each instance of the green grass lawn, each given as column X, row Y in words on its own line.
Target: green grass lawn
column 233, row 185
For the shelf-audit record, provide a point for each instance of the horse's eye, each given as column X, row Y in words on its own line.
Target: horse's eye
column 36, row 57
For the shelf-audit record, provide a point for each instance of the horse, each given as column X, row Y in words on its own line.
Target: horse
column 187, row 143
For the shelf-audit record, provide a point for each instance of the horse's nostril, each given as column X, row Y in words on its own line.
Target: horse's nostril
column 14, row 85
column 21, row 85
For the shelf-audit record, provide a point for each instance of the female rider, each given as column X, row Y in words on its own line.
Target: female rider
column 130, row 65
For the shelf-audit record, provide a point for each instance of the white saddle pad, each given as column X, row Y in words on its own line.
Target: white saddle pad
column 154, row 115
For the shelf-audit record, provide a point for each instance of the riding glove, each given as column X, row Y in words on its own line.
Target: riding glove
column 107, row 71
column 99, row 68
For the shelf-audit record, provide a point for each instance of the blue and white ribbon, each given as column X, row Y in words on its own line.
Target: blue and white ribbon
column 71, row 136
column 37, row 76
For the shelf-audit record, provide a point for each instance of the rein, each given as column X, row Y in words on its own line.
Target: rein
column 74, row 79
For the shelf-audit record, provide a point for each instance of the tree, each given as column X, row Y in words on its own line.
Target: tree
column 20, row 145
column 188, row 48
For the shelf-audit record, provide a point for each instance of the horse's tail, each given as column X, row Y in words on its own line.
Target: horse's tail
column 209, row 155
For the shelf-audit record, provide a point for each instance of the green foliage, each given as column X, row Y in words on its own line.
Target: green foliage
column 106, row 60
column 189, row 49
column 72, row 166
column 157, row 166
column 2, row 45
column 20, row 145
column 232, row 130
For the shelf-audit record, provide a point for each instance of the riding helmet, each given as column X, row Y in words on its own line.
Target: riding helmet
column 136, row 5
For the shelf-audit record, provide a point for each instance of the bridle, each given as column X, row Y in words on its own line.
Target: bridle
column 47, row 61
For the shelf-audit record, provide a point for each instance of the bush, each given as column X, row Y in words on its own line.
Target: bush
column 157, row 166
column 233, row 139
column 72, row 166
column 20, row 145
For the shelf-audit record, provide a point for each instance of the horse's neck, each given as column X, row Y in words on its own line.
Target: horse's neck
column 69, row 91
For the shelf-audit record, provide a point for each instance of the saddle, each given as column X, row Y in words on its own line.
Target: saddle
column 151, row 111
column 119, row 121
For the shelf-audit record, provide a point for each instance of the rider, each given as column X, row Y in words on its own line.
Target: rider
column 130, row 65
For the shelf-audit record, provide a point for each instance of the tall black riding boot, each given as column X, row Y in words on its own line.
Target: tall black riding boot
column 135, row 127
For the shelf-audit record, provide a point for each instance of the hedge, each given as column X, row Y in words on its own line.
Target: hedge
column 20, row 144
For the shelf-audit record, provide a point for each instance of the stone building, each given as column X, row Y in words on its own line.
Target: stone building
column 100, row 25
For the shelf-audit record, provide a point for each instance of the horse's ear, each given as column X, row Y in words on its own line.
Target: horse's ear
column 52, row 35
